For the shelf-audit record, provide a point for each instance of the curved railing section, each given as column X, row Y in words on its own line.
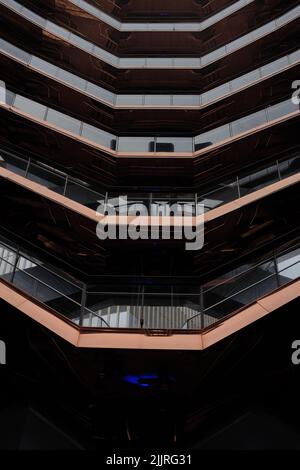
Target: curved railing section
column 152, row 62
column 179, row 101
column 152, row 144
column 157, row 203
column 148, row 307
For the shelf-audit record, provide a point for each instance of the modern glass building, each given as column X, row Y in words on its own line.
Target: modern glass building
column 148, row 105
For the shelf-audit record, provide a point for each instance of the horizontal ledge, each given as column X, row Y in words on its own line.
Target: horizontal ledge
column 132, row 340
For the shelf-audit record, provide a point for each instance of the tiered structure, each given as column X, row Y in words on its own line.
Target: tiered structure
column 184, row 101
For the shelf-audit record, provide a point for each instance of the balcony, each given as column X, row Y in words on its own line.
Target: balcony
column 149, row 307
column 156, row 203
column 152, row 62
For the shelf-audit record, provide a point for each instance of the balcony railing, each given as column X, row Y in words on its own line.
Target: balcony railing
column 150, row 101
column 148, row 307
column 152, row 62
column 157, row 203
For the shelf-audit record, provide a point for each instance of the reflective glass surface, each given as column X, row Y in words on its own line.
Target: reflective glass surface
column 153, row 63
column 148, row 306
column 157, row 203
column 161, row 26
column 162, row 100
column 151, row 144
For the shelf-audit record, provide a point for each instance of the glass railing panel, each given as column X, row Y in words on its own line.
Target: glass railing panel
column 162, row 26
column 245, row 80
column 47, row 288
column 134, row 62
column 251, row 285
column 55, row 29
column 173, row 144
column 82, row 43
column 13, row 163
column 133, row 100
column 107, row 56
column 30, row 15
column 15, row 51
column 157, row 100
column 233, row 285
column 153, row 62
column 215, row 93
column 118, row 310
column 243, row 298
column 71, row 79
column 225, row 192
column 275, row 66
column 213, row 56
column 83, row 195
column 182, row 62
column 240, row 42
column 8, row 260
column 294, row 56
column 97, row 135
column 45, row 67
column 151, row 306
column 37, row 269
column 99, row 92
column 265, row 29
column 289, row 266
column 186, row 100
column 160, row 62
column 289, row 16
column 15, row 5
column 6, row 97
column 150, row 100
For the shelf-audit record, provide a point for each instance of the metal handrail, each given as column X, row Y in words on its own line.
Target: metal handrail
column 52, row 288
column 274, row 259
column 38, row 263
column 239, row 292
column 69, row 180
